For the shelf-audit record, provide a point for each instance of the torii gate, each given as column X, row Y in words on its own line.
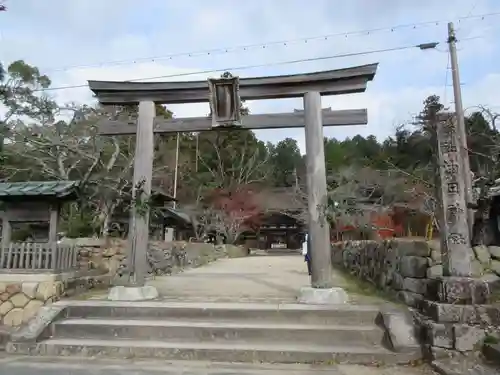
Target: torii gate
column 224, row 95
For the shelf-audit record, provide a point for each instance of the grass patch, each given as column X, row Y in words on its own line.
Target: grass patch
column 357, row 286
column 95, row 292
column 491, row 340
column 495, row 296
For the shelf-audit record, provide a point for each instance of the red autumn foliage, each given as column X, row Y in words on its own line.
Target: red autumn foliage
column 238, row 204
column 383, row 224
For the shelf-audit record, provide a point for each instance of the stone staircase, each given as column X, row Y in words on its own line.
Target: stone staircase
column 219, row 332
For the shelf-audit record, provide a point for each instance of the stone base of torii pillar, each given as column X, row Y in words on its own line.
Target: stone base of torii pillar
column 317, row 296
column 133, row 293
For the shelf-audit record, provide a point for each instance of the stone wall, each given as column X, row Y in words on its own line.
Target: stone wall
column 20, row 300
column 406, row 266
column 401, row 266
column 164, row 257
column 488, row 259
column 451, row 314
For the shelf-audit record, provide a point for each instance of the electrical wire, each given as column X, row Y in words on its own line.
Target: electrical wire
column 245, row 67
column 473, row 7
column 247, row 47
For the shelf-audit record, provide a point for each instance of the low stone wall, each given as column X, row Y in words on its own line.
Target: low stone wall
column 166, row 257
column 20, row 300
column 106, row 257
column 487, row 259
column 451, row 313
column 402, row 266
column 407, row 267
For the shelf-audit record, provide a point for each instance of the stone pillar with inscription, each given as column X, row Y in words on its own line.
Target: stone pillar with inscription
column 457, row 252
column 459, row 284
column 455, row 307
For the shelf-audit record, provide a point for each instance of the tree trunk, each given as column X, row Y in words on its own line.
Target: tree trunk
column 105, row 227
column 105, row 220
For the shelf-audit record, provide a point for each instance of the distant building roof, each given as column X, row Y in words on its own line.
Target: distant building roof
column 156, row 193
column 38, row 189
column 161, row 196
column 280, row 199
column 177, row 215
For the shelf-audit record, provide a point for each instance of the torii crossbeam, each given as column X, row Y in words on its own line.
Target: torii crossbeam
column 224, row 96
column 128, row 126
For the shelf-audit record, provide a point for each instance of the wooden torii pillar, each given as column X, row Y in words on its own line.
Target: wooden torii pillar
column 224, row 95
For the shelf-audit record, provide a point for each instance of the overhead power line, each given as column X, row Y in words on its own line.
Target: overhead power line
column 244, row 67
column 223, row 50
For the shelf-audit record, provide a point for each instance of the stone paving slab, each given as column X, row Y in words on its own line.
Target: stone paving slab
column 463, row 367
column 72, row 366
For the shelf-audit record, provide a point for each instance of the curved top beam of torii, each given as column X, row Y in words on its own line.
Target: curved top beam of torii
column 331, row 82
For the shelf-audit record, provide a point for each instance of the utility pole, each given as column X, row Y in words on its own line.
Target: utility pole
column 459, row 112
column 177, row 144
column 197, row 148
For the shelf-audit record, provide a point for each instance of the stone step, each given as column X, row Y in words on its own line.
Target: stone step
column 228, row 299
column 28, row 365
column 261, row 312
column 210, row 351
column 216, row 331
column 283, row 252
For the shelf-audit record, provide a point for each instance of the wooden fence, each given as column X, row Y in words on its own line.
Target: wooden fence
column 38, row 257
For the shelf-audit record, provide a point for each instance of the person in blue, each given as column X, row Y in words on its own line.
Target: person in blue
column 306, row 253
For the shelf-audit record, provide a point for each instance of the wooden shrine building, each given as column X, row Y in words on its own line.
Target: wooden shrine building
column 182, row 224
column 282, row 220
column 36, row 202
column 159, row 202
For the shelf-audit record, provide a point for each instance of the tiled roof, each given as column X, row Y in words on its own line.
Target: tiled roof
column 58, row 189
column 279, row 199
column 161, row 195
column 179, row 215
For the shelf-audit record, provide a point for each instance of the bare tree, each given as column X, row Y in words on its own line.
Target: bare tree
column 226, row 213
column 73, row 150
column 231, row 165
column 358, row 196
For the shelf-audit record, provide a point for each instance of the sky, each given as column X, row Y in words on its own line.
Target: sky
column 79, row 40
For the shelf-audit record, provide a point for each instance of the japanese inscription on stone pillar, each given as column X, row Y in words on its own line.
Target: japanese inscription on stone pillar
column 457, row 254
